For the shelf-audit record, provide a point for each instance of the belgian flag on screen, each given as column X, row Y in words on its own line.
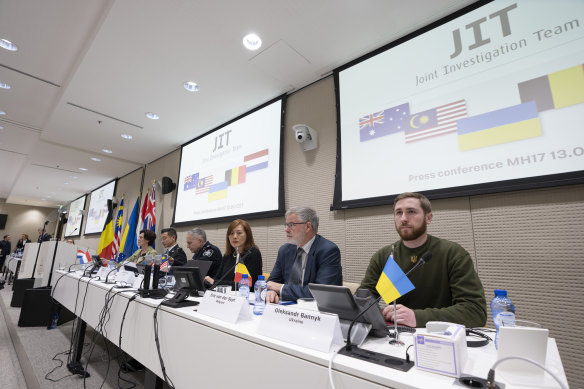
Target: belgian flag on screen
column 105, row 249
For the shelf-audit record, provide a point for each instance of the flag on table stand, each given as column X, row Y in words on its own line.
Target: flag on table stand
column 105, row 249
column 129, row 236
column 240, row 270
column 140, row 223
column 393, row 282
column 164, row 263
column 118, row 227
column 150, row 218
column 83, row 257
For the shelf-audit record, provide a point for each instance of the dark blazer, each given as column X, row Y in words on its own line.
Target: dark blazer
column 179, row 256
column 252, row 259
column 44, row 238
column 323, row 266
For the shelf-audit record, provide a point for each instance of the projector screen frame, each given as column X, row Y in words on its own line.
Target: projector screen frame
column 115, row 180
column 280, row 211
column 78, row 232
column 525, row 183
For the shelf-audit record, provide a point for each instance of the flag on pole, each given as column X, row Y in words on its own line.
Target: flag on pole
column 150, row 218
column 118, row 227
column 129, row 235
column 393, row 282
column 240, row 270
column 140, row 223
column 83, row 257
column 105, row 249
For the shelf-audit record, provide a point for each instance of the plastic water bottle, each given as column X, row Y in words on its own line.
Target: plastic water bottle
column 503, row 312
column 260, row 295
column 54, row 320
column 244, row 286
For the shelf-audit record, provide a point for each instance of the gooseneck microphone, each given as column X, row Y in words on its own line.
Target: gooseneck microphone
column 423, row 259
column 147, row 272
column 156, row 272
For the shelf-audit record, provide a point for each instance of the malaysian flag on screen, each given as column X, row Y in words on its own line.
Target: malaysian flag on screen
column 445, row 121
column 203, row 184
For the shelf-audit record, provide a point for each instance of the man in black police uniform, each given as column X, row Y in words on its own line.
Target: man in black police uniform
column 176, row 255
column 203, row 249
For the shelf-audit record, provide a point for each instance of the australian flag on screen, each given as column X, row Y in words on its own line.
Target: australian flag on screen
column 384, row 123
column 191, row 181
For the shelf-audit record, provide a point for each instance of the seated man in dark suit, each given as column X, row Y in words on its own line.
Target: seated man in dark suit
column 176, row 255
column 203, row 250
column 306, row 258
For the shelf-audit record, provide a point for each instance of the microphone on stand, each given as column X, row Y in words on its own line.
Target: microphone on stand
column 156, row 272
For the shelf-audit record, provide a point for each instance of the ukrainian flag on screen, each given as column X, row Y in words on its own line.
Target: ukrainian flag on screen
column 393, row 282
column 217, row 191
column 497, row 127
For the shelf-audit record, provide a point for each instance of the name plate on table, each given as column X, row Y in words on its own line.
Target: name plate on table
column 224, row 306
column 102, row 273
column 126, row 277
column 311, row 329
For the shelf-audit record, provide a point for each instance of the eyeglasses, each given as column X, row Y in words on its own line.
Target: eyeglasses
column 292, row 224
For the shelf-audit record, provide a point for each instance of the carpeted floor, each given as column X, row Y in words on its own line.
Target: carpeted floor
column 34, row 357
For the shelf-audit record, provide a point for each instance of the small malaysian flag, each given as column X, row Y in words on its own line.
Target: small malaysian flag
column 164, row 263
column 446, row 117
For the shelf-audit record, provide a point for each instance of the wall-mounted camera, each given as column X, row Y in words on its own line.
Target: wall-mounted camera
column 305, row 136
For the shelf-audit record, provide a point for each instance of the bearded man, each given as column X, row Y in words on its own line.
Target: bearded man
column 447, row 288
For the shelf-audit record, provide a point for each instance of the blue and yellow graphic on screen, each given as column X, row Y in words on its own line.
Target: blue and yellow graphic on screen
column 393, row 282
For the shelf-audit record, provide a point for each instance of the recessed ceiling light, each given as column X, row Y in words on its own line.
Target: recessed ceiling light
column 4, row 85
column 152, row 115
column 48, row 197
column 43, row 199
column 73, row 177
column 2, row 112
column 252, row 42
column 191, row 86
column 6, row 44
column 65, row 183
column 1, row 128
column 126, row 136
column 107, row 151
column 83, row 169
column 96, row 159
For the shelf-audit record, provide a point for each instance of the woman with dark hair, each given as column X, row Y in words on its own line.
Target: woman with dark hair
column 145, row 241
column 239, row 247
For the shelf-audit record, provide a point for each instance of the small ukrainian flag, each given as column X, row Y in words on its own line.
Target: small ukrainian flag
column 393, row 282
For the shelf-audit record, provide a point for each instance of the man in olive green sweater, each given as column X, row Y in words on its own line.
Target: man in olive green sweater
column 447, row 288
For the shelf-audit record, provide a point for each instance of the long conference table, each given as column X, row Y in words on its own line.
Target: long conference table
column 201, row 351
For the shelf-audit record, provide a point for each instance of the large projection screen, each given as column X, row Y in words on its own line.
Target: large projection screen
column 75, row 217
column 234, row 170
column 490, row 99
column 97, row 212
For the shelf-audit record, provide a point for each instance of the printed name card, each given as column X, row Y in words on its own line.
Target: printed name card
column 224, row 306
column 126, row 277
column 311, row 329
column 102, row 273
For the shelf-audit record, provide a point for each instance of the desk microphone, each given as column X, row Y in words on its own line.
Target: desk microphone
column 156, row 272
column 425, row 258
column 147, row 272
column 230, row 271
column 107, row 276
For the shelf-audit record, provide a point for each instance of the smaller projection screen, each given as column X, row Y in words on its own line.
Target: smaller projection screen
column 490, row 99
column 75, row 217
column 234, row 170
column 97, row 212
